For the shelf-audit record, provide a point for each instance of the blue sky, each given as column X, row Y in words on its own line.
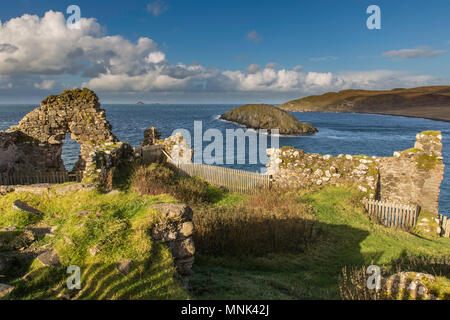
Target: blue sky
column 222, row 51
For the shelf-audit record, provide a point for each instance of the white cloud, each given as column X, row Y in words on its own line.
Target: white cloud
column 155, row 57
column 45, row 85
column 416, row 53
column 46, row 46
column 253, row 68
column 157, row 8
column 315, row 79
column 254, row 36
column 40, row 53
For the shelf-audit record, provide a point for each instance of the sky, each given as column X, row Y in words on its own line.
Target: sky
column 209, row 51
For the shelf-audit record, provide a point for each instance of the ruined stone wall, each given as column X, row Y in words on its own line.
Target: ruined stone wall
column 178, row 149
column 410, row 176
column 76, row 112
column 414, row 175
column 35, row 144
column 295, row 168
column 176, row 229
column 175, row 146
column 21, row 154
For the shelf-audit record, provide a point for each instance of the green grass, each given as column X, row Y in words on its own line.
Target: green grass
column 349, row 238
column 117, row 224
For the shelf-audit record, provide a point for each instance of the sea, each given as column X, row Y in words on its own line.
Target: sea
column 339, row 133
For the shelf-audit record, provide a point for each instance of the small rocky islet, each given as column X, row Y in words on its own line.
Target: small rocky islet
column 263, row 116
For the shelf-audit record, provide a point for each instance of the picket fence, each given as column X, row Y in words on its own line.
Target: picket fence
column 393, row 214
column 231, row 179
column 40, row 177
column 445, row 225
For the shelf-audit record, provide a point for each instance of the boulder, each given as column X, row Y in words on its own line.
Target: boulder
column 73, row 187
column 38, row 189
column 23, row 206
column 49, row 258
column 408, row 286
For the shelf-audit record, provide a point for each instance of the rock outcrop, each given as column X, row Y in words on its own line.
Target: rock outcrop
column 261, row 116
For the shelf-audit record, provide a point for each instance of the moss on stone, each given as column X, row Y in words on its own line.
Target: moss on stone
column 431, row 133
column 426, row 162
column 426, row 224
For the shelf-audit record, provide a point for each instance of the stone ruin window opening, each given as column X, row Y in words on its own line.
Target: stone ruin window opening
column 70, row 152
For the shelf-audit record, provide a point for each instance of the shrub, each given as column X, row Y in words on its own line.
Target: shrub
column 159, row 179
column 192, row 190
column 353, row 285
column 438, row 266
column 266, row 223
column 153, row 180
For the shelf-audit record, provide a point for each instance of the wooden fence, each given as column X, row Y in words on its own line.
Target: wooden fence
column 40, row 177
column 230, row 179
column 445, row 225
column 393, row 214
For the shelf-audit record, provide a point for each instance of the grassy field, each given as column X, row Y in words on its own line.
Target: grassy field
column 115, row 224
column 348, row 238
column 279, row 245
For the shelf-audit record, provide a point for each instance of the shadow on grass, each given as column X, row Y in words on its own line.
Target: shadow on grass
column 153, row 278
column 279, row 263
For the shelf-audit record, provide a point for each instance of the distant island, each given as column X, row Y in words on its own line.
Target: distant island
column 263, row 116
column 422, row 102
column 140, row 102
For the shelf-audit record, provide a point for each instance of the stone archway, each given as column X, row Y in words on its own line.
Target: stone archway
column 35, row 144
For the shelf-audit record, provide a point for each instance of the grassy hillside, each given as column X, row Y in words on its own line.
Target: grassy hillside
column 114, row 224
column 347, row 238
column 286, row 244
column 262, row 116
column 423, row 102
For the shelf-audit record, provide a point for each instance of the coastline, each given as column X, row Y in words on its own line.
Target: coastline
column 380, row 113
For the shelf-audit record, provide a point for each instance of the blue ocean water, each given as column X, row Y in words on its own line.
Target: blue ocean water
column 345, row 133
